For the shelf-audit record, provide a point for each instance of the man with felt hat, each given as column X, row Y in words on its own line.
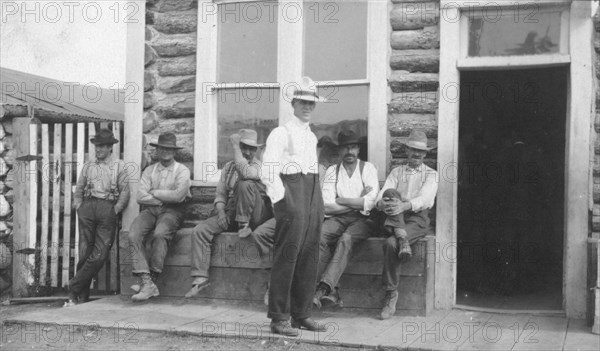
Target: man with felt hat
column 349, row 193
column 409, row 191
column 164, row 188
column 241, row 204
column 102, row 192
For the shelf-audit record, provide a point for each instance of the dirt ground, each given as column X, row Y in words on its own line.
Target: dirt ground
column 43, row 337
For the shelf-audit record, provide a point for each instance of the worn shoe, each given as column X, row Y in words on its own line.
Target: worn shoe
column 389, row 304
column 332, row 299
column 72, row 301
column 321, row 291
column 283, row 328
column 196, row 288
column 405, row 251
column 308, row 324
column 148, row 289
column 244, row 231
column 135, row 287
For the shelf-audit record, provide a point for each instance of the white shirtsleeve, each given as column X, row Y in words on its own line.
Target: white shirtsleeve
column 370, row 179
column 271, row 165
column 329, row 189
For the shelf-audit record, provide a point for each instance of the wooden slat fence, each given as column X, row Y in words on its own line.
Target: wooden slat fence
column 64, row 148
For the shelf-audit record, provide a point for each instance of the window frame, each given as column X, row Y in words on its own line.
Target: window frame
column 290, row 56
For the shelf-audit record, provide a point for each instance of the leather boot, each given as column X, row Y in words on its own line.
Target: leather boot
column 147, row 290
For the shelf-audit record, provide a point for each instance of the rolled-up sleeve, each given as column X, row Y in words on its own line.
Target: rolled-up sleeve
column 271, row 165
column 426, row 196
column 329, row 190
column 391, row 182
column 371, row 179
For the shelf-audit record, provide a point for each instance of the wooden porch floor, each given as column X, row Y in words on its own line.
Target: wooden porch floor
column 442, row 330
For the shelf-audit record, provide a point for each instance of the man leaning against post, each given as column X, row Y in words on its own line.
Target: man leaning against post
column 241, row 204
column 410, row 191
column 163, row 189
column 290, row 172
column 349, row 193
column 102, row 192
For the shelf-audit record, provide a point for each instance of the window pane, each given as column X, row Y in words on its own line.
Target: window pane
column 247, row 42
column 346, row 108
column 335, row 40
column 514, row 32
column 252, row 108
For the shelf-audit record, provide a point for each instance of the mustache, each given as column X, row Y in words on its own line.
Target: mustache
column 350, row 155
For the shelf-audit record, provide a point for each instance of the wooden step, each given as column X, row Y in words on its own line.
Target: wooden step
column 239, row 272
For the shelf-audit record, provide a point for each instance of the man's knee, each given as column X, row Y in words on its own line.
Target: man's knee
column 163, row 233
column 390, row 243
column 345, row 239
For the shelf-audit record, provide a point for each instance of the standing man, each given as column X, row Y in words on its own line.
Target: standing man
column 163, row 189
column 290, row 172
column 349, row 193
column 241, row 204
column 102, row 192
column 417, row 185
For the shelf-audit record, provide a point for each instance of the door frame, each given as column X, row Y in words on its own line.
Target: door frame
column 578, row 148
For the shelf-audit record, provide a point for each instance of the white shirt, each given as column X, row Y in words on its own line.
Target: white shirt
column 351, row 187
column 291, row 149
column 419, row 186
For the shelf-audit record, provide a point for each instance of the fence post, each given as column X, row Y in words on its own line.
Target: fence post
column 24, row 235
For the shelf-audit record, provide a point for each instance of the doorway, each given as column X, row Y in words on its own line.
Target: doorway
column 511, row 188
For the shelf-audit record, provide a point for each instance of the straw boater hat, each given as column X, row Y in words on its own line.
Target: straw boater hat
column 249, row 137
column 167, row 141
column 104, row 137
column 417, row 140
column 306, row 89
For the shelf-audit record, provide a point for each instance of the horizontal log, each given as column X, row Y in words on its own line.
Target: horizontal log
column 172, row 5
column 13, row 111
column 176, row 22
column 426, row 38
column 401, row 125
column 149, row 81
column 424, row 102
column 174, row 45
column 596, row 223
column 149, row 55
column 596, row 192
column 403, row 82
column 176, row 105
column 203, row 194
column 178, row 84
column 597, row 121
column 177, row 66
column 596, row 166
column 424, row 61
column 414, row 15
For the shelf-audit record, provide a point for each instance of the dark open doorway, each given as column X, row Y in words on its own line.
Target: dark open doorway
column 511, row 188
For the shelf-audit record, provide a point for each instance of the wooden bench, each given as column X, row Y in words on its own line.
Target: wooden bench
column 239, row 272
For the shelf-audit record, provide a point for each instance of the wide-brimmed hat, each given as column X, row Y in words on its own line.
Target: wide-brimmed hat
column 249, row 137
column 167, row 141
column 347, row 137
column 325, row 140
column 306, row 89
column 103, row 137
column 417, row 140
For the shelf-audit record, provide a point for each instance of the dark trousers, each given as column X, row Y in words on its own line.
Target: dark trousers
column 249, row 203
column 298, row 217
column 417, row 226
column 97, row 229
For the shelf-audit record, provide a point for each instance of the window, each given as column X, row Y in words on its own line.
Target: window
column 251, row 53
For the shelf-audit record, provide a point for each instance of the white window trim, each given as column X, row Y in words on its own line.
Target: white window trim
column 290, row 66
column 580, row 117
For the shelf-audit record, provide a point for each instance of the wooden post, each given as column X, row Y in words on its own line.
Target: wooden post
column 45, row 179
column 56, row 175
column 68, row 164
column 24, row 235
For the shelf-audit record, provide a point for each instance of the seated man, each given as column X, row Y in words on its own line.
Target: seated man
column 164, row 187
column 349, row 193
column 417, row 185
column 241, row 204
